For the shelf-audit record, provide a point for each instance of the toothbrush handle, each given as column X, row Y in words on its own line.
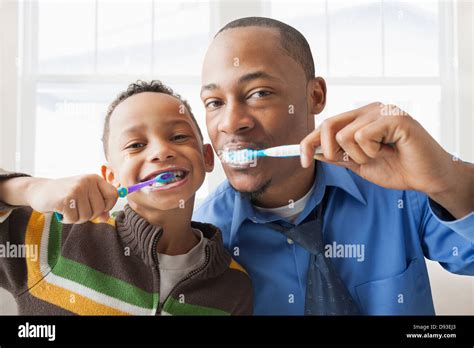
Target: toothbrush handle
column 140, row 185
column 287, row 151
column 318, row 151
column 159, row 179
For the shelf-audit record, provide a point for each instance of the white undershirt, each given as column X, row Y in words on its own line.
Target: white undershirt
column 173, row 268
column 289, row 212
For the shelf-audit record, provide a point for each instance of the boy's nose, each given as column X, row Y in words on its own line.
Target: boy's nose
column 235, row 120
column 161, row 152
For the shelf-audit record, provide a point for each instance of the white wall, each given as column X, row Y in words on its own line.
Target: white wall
column 8, row 82
column 454, row 294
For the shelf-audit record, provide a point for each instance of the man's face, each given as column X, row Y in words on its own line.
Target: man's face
column 255, row 96
column 151, row 133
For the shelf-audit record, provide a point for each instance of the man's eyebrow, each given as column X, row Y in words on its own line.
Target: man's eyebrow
column 209, row 87
column 257, row 75
column 246, row 78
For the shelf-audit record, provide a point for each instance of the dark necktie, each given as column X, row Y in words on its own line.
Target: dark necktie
column 326, row 294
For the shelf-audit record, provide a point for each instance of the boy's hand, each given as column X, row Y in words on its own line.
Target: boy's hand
column 79, row 198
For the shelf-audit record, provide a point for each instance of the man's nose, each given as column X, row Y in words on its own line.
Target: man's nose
column 235, row 120
column 161, row 151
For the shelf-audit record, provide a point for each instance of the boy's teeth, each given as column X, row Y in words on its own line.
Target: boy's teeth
column 178, row 175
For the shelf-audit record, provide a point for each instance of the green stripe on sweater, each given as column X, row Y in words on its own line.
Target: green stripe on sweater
column 174, row 307
column 54, row 242
column 91, row 278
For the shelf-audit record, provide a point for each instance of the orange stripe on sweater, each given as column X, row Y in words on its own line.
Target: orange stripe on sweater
column 58, row 296
column 235, row 265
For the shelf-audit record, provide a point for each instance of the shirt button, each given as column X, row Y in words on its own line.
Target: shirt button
column 289, row 241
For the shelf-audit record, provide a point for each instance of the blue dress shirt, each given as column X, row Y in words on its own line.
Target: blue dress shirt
column 377, row 239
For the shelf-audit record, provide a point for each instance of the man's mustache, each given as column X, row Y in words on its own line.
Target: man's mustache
column 238, row 144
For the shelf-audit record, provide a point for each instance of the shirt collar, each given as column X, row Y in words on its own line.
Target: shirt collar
column 326, row 175
column 340, row 177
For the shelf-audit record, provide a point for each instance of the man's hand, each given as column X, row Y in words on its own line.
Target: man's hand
column 79, row 198
column 386, row 146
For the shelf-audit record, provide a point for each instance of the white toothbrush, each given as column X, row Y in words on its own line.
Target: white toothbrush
column 244, row 156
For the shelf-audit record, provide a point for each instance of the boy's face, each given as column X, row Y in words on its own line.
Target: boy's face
column 150, row 133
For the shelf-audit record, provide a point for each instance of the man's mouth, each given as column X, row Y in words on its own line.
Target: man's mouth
column 238, row 155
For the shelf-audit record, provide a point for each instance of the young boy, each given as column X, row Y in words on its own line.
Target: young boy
column 151, row 259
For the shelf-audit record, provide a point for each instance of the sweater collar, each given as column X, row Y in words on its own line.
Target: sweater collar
column 142, row 237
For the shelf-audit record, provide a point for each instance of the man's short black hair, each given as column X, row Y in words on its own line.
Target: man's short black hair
column 136, row 88
column 291, row 40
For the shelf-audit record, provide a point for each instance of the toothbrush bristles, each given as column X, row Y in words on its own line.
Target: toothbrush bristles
column 239, row 156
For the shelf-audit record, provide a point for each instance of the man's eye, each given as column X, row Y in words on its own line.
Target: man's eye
column 135, row 146
column 180, row 137
column 213, row 104
column 260, row 94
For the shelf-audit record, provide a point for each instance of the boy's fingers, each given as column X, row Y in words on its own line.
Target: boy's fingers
column 69, row 211
column 84, row 208
column 97, row 202
column 109, row 194
column 104, row 217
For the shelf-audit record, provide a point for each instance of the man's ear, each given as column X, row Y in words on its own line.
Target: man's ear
column 108, row 175
column 316, row 95
column 208, row 157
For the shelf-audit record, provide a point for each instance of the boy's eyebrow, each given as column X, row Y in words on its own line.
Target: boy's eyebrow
column 132, row 130
column 173, row 122
column 178, row 121
column 245, row 78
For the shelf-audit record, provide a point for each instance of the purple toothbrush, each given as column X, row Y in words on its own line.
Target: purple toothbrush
column 162, row 179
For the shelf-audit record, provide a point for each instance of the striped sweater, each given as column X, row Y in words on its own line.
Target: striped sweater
column 109, row 268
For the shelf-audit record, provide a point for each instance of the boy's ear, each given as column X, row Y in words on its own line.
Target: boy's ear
column 208, row 157
column 108, row 175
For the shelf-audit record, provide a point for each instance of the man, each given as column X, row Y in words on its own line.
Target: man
column 343, row 235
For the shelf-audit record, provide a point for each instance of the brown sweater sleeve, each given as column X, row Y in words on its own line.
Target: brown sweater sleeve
column 5, row 175
column 13, row 268
column 245, row 306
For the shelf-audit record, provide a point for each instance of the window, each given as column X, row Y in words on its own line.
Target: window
column 378, row 50
column 89, row 53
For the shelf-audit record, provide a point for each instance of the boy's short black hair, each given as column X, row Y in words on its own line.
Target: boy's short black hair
column 291, row 40
column 136, row 88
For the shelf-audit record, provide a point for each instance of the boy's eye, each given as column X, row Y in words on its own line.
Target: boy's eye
column 135, row 146
column 213, row 104
column 260, row 94
column 180, row 137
